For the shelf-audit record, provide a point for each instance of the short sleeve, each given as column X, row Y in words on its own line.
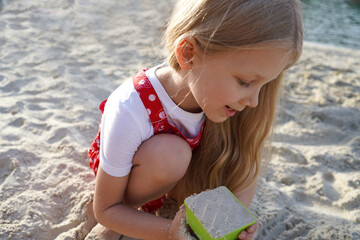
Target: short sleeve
column 120, row 137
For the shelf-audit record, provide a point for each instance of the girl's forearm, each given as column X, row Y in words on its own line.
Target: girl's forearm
column 133, row 223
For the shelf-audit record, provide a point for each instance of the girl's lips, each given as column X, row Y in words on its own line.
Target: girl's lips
column 229, row 111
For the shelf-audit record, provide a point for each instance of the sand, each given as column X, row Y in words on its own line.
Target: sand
column 219, row 212
column 60, row 59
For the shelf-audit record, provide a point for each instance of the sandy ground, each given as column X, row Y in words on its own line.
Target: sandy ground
column 59, row 59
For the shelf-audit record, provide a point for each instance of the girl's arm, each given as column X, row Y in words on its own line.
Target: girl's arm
column 246, row 197
column 110, row 212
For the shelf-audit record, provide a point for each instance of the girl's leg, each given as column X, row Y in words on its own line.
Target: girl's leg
column 159, row 163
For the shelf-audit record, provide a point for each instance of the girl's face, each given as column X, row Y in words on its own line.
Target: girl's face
column 224, row 83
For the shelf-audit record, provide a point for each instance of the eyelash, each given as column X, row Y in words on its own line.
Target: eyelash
column 242, row 83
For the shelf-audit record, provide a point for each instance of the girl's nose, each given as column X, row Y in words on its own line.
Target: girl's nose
column 252, row 99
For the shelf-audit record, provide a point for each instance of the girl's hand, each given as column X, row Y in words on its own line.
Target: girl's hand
column 250, row 232
column 177, row 229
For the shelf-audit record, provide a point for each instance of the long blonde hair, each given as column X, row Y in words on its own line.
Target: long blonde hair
column 230, row 153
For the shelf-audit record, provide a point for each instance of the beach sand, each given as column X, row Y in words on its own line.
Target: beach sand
column 60, row 59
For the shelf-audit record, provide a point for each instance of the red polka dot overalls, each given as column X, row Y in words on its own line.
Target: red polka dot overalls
column 159, row 121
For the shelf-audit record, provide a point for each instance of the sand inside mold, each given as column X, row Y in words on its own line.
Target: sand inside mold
column 60, row 59
column 219, row 212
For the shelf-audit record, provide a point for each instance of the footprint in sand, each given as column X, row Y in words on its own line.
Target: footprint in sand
column 17, row 122
column 340, row 162
column 354, row 144
column 333, row 232
column 58, row 135
column 290, row 154
column 354, row 184
column 328, row 190
column 293, row 227
column 337, row 117
column 7, row 165
column 11, row 138
column 322, row 184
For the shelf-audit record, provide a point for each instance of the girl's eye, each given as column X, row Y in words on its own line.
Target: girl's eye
column 243, row 83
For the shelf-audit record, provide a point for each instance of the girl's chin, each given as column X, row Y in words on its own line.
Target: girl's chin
column 217, row 119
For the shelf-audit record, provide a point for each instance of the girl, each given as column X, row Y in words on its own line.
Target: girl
column 220, row 84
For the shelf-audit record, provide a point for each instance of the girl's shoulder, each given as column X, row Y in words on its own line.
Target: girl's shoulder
column 123, row 92
column 125, row 103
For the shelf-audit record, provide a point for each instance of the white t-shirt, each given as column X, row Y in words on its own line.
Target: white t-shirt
column 126, row 124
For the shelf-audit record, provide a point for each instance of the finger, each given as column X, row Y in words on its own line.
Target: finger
column 180, row 214
column 250, row 232
column 182, row 211
column 177, row 223
column 243, row 235
column 251, row 236
column 253, row 228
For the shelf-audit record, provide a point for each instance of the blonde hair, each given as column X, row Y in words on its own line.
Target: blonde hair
column 230, row 153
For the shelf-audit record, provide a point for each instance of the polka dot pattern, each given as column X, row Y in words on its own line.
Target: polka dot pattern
column 162, row 115
column 152, row 97
column 152, row 102
column 158, row 119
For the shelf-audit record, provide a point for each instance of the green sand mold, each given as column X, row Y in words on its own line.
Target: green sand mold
column 217, row 214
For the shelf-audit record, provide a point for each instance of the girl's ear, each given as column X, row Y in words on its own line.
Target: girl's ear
column 185, row 52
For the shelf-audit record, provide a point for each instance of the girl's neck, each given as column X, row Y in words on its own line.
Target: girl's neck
column 177, row 88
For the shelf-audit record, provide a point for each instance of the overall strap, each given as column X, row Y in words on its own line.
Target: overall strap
column 156, row 111
column 151, row 102
column 159, row 121
column 193, row 142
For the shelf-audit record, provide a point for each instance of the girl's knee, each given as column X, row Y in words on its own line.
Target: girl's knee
column 166, row 155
